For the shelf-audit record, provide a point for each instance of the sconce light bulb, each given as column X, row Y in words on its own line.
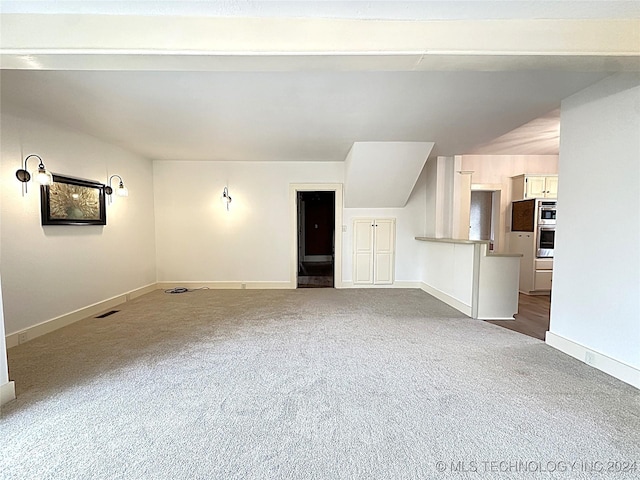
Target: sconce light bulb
column 122, row 191
column 42, row 176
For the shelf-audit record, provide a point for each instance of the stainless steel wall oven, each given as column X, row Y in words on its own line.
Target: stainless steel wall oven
column 536, row 215
column 545, row 241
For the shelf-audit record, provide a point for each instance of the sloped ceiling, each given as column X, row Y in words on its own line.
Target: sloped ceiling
column 537, row 137
column 383, row 174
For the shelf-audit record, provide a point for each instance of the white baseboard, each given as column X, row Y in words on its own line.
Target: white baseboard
column 448, row 299
column 225, row 285
column 398, row 284
column 7, row 393
column 608, row 365
column 48, row 326
column 141, row 291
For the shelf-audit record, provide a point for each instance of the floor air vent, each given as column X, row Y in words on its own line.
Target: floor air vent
column 107, row 314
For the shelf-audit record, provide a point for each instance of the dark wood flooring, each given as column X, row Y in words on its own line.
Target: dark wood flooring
column 532, row 318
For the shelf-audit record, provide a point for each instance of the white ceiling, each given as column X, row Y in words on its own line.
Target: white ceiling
column 203, row 93
column 307, row 116
column 537, row 137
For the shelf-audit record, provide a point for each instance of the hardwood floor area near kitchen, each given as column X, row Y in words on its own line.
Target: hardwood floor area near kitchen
column 532, row 318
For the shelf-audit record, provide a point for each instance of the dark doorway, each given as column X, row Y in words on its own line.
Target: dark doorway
column 316, row 234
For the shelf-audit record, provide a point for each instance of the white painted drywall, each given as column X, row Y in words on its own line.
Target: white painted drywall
column 4, row 370
column 383, row 174
column 497, row 286
column 431, row 184
column 53, row 270
column 448, row 268
column 7, row 388
column 199, row 240
column 596, row 278
column 410, row 222
column 440, row 197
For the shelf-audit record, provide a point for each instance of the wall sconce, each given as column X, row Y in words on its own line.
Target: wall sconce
column 42, row 175
column 226, row 198
column 121, row 191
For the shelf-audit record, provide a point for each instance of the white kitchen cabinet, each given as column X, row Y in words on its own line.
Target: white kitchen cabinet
column 373, row 251
column 551, row 185
column 544, row 264
column 534, row 186
column 535, row 273
column 524, row 244
column 542, row 280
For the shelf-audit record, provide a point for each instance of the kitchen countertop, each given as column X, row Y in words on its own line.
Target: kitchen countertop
column 468, row 242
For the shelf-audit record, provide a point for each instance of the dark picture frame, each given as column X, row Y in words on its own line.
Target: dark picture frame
column 73, row 201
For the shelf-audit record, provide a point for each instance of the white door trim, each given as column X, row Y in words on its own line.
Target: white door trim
column 294, row 188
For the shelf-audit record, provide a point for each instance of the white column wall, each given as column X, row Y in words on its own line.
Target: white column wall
column 596, row 282
column 431, row 199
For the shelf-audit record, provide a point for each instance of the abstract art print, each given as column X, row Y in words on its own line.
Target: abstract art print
column 73, row 201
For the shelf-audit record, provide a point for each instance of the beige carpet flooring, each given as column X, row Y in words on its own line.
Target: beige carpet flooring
column 308, row 384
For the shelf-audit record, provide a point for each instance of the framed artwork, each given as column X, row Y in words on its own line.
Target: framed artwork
column 73, row 201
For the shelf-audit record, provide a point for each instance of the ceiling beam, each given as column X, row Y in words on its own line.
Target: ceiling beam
column 37, row 33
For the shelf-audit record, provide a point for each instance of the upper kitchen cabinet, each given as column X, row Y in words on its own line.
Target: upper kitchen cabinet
column 534, row 186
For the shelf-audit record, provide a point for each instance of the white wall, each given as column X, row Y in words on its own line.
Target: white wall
column 7, row 388
column 198, row 240
column 48, row 271
column 392, row 168
column 410, row 223
column 4, row 371
column 431, row 198
column 441, row 202
column 447, row 273
column 596, row 283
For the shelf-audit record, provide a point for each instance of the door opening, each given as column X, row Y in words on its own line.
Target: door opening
column 316, row 239
column 484, row 216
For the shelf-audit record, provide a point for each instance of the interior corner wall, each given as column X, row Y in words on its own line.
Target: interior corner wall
column 410, row 223
column 596, row 278
column 199, row 240
column 49, row 271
